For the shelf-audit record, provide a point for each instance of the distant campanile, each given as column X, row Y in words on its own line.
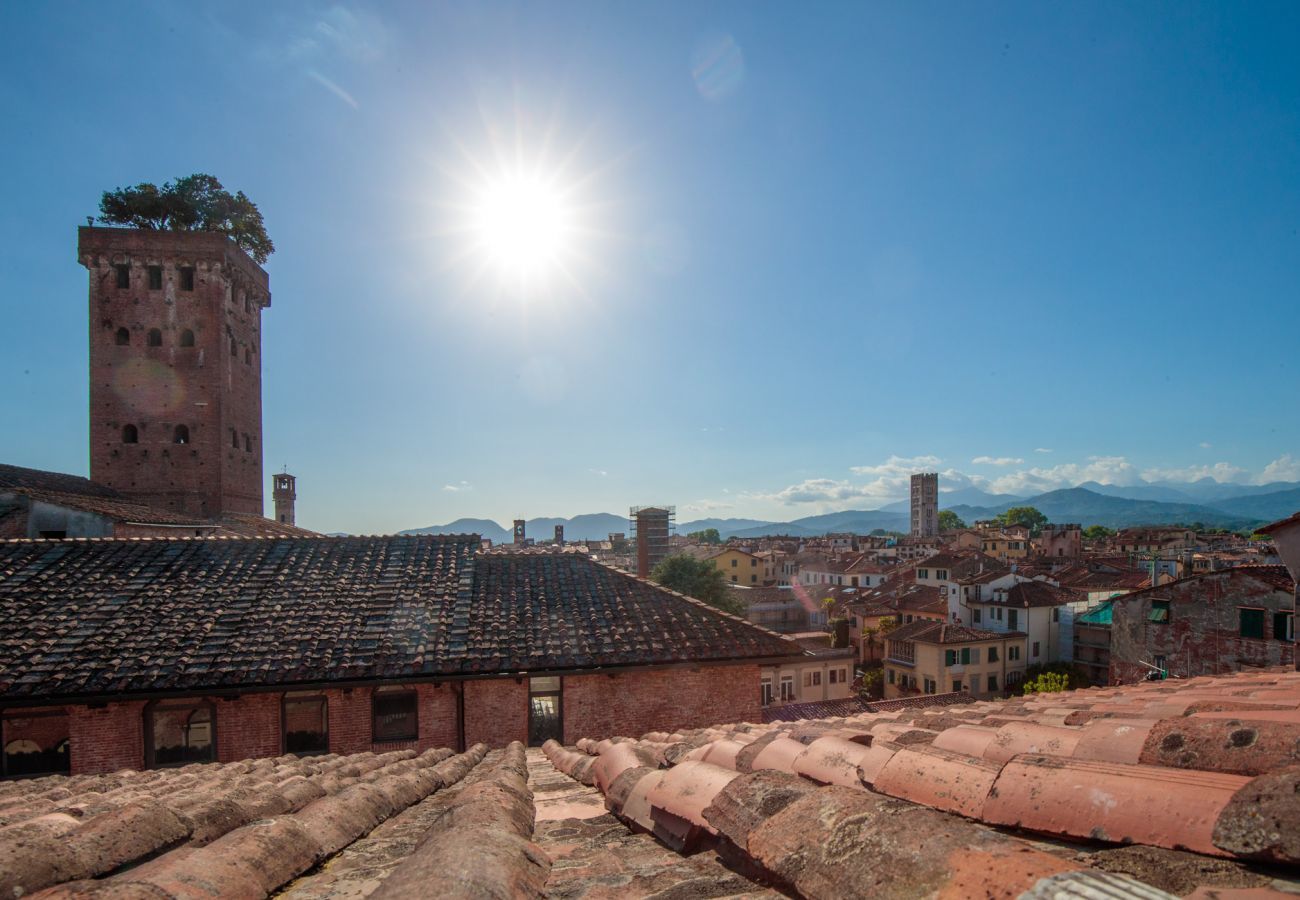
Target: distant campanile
column 925, row 504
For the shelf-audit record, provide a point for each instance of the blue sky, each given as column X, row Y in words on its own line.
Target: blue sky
column 821, row 246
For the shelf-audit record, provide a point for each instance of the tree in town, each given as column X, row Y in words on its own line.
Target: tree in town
column 699, row 579
column 1097, row 533
column 194, row 203
column 1048, row 683
column 707, row 536
column 949, row 520
column 1028, row 516
column 873, row 684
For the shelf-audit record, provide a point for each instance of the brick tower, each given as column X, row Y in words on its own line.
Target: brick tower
column 175, row 368
column 284, row 492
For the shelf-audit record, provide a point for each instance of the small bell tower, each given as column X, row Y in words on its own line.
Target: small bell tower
column 284, row 493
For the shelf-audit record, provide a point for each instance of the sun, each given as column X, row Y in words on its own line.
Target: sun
column 523, row 226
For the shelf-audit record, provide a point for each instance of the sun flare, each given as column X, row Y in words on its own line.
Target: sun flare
column 523, row 226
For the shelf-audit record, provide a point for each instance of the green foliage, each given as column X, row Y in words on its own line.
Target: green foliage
column 1097, row 533
column 707, row 536
column 888, row 624
column 699, row 579
column 194, row 203
column 1048, row 683
column 873, row 684
column 1028, row 516
column 949, row 520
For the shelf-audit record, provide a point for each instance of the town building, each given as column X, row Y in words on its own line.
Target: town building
column 925, row 505
column 1209, row 624
column 824, row 674
column 1060, row 541
column 742, row 567
column 651, row 526
column 1092, row 642
column 928, row 657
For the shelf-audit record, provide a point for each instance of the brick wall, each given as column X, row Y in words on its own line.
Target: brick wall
column 112, row 736
column 632, row 703
column 496, row 711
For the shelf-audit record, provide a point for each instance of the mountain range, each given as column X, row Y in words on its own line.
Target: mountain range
column 1214, row 504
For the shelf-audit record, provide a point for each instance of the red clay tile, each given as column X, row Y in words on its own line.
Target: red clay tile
column 971, row 740
column 780, row 754
column 1172, row 808
column 687, row 788
column 832, row 760
column 1030, row 737
column 876, row 758
column 1113, row 740
column 952, row 782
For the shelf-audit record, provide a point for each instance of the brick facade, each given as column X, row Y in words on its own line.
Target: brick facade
column 176, row 354
column 111, row 736
column 496, row 711
column 632, row 703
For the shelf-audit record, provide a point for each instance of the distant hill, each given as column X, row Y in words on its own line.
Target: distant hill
column 586, row 527
column 856, row 521
column 1091, row 508
column 482, row 527
column 1277, row 505
column 967, row 496
column 1210, row 492
column 725, row 526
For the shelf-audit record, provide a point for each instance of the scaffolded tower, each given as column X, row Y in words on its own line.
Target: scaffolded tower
column 650, row 527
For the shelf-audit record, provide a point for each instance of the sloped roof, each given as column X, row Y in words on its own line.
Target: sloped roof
column 1031, row 594
column 928, row 632
column 89, row 617
column 1125, row 780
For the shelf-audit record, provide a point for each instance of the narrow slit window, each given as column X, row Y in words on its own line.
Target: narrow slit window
column 155, row 278
column 130, row 434
column 181, row 434
column 123, row 276
column 187, row 278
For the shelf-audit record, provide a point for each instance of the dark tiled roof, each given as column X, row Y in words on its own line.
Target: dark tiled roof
column 55, row 482
column 88, row 617
column 929, row 632
column 823, row 709
column 1028, row 594
column 564, row 611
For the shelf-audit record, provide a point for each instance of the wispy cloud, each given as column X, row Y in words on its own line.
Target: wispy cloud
column 333, row 88
column 601, row 472
column 458, row 487
column 1042, row 449
column 997, row 461
column 1205, row 445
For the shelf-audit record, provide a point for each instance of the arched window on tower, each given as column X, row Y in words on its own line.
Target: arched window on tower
column 181, row 434
column 130, row 435
column 234, row 438
column 187, row 338
column 248, row 357
column 234, row 346
column 123, row 337
column 155, row 337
